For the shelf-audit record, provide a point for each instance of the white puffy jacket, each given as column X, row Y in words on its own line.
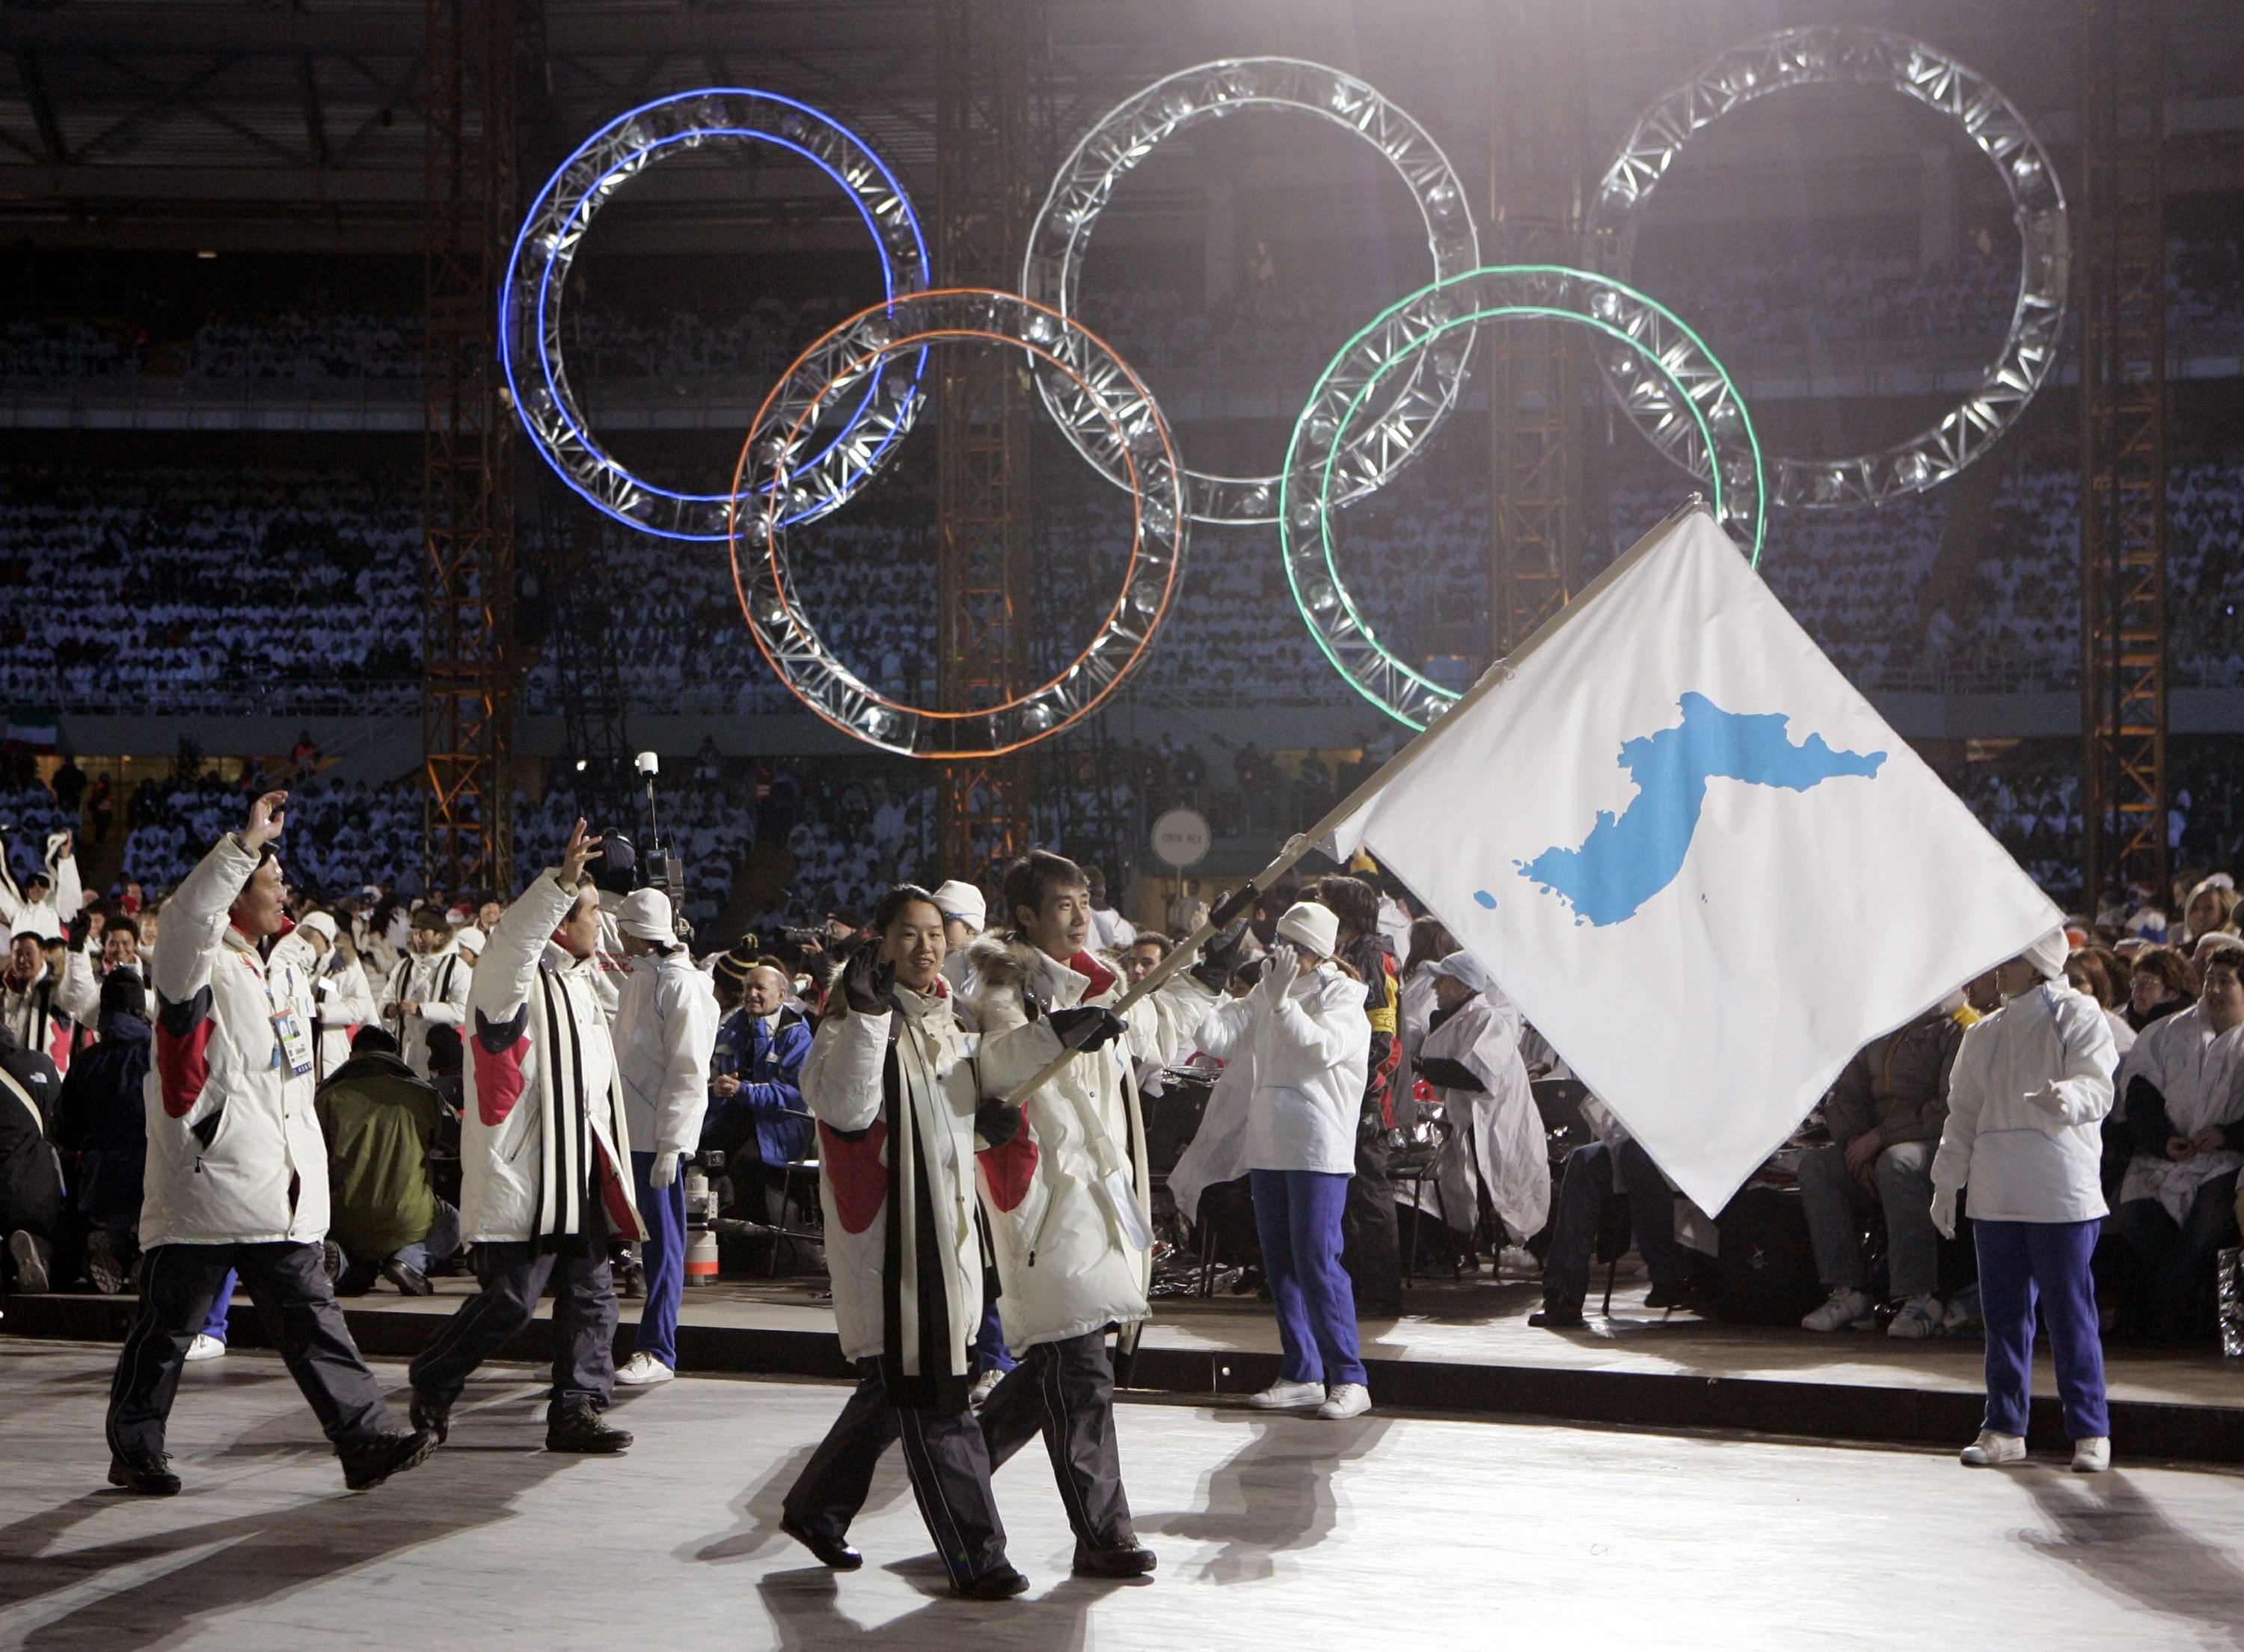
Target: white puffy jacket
column 51, row 916
column 532, row 1006
column 438, row 983
column 234, row 1150
column 1310, row 1050
column 341, row 1001
column 44, row 1011
column 2022, row 1162
column 842, row 1083
column 666, row 1028
column 1063, row 1262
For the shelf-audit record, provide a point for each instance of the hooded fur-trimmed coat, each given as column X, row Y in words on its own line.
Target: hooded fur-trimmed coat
column 1065, row 1265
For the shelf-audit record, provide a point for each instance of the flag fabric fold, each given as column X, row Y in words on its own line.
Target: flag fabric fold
column 1695, row 857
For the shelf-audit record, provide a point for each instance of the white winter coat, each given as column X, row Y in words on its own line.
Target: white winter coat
column 842, row 1083
column 665, row 1029
column 2202, row 1078
column 234, row 1150
column 1064, row 1261
column 51, row 916
column 533, row 1006
column 44, row 1011
column 2022, row 1162
column 1495, row 1136
column 438, row 982
column 341, row 1001
column 1311, row 1050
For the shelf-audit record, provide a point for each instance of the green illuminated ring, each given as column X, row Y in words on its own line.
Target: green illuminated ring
column 1687, row 395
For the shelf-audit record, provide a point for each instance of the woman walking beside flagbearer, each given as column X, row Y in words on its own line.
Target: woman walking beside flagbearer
column 1303, row 1029
column 2026, row 1101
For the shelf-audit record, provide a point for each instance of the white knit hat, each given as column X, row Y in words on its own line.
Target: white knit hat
column 646, row 913
column 1314, row 926
column 2048, row 954
column 320, row 924
column 963, row 900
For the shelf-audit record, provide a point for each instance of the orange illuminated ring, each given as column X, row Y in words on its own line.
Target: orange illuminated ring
column 1136, row 444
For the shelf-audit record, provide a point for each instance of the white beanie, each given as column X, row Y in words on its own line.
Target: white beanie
column 320, row 924
column 2048, row 954
column 963, row 900
column 1464, row 968
column 1314, row 926
column 646, row 913
column 469, row 940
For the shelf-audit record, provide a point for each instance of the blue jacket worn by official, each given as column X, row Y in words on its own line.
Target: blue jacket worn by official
column 765, row 1054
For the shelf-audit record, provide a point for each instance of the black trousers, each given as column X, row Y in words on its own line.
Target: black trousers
column 289, row 1285
column 944, row 1456
column 1066, row 1391
column 513, row 1275
column 1369, row 1235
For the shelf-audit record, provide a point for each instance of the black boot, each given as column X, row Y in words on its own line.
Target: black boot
column 1000, row 1585
column 1558, row 1315
column 831, row 1551
column 1126, row 1558
column 149, row 1474
column 409, row 1281
column 580, row 1430
column 432, row 1416
column 369, row 1462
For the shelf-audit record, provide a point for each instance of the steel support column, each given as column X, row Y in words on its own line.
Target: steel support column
column 2120, row 262
column 467, row 616
column 1537, row 368
column 987, row 61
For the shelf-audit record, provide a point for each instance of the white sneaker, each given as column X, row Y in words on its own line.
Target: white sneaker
column 984, row 1385
column 1288, row 1396
column 205, row 1347
column 1992, row 1450
column 1920, row 1317
column 1847, row 1309
column 642, row 1370
column 33, row 1256
column 1346, row 1400
column 2092, row 1455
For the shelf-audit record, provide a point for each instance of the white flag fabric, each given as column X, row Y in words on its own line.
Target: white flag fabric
column 1695, row 857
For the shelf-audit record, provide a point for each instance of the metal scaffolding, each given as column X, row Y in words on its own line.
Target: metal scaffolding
column 467, row 570
column 1537, row 368
column 2120, row 265
column 988, row 58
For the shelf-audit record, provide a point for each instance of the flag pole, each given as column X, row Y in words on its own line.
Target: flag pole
column 1240, row 899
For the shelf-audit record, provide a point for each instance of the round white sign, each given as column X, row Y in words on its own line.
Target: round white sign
column 1180, row 838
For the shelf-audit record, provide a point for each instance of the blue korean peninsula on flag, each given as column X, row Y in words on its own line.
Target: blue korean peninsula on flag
column 1698, row 861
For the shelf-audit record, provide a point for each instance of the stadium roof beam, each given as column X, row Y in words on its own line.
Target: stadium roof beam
column 42, row 108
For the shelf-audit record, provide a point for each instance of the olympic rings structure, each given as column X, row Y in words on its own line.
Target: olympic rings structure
column 1832, row 56
column 774, row 497
column 531, row 297
column 1373, row 407
column 1053, row 271
column 1695, row 400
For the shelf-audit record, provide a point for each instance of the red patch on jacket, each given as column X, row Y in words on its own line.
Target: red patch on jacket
column 853, row 1170
column 1096, row 973
column 1010, row 1170
column 183, row 1035
column 499, row 1051
column 623, row 1214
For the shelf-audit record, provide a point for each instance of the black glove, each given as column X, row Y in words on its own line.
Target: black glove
column 867, row 981
column 1218, row 960
column 1087, row 1027
column 996, row 1123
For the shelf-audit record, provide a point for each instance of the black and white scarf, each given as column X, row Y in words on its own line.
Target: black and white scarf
column 579, row 1197
column 921, row 1362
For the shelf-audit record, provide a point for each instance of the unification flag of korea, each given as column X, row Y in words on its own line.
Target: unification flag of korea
column 1694, row 857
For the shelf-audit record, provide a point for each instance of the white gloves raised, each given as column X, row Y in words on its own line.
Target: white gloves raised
column 664, row 1170
column 1279, row 970
column 1943, row 1212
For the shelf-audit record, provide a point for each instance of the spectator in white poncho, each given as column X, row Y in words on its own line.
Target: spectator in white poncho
column 1471, row 1057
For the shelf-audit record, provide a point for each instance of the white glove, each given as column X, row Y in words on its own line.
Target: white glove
column 2050, row 1099
column 1943, row 1212
column 664, row 1170
column 1279, row 971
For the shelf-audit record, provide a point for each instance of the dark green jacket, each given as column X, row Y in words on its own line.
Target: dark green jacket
column 379, row 1120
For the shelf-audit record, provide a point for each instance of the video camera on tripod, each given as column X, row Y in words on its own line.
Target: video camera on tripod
column 620, row 868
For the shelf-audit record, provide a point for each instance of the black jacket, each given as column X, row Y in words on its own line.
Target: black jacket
column 31, row 1174
column 102, row 1118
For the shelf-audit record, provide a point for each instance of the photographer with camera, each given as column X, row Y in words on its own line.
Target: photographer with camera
column 666, row 1028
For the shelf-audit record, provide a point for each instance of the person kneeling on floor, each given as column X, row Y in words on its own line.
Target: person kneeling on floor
column 380, row 1120
column 545, row 1160
column 237, row 1172
column 2026, row 1098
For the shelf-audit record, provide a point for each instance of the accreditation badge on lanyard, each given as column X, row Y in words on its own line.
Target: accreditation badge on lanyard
column 292, row 1039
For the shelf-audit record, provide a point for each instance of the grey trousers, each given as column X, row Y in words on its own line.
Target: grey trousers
column 513, row 1277
column 1065, row 1391
column 1836, row 1204
column 943, row 1453
column 289, row 1285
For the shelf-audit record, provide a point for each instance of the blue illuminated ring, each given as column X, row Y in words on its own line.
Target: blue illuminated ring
column 552, row 231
